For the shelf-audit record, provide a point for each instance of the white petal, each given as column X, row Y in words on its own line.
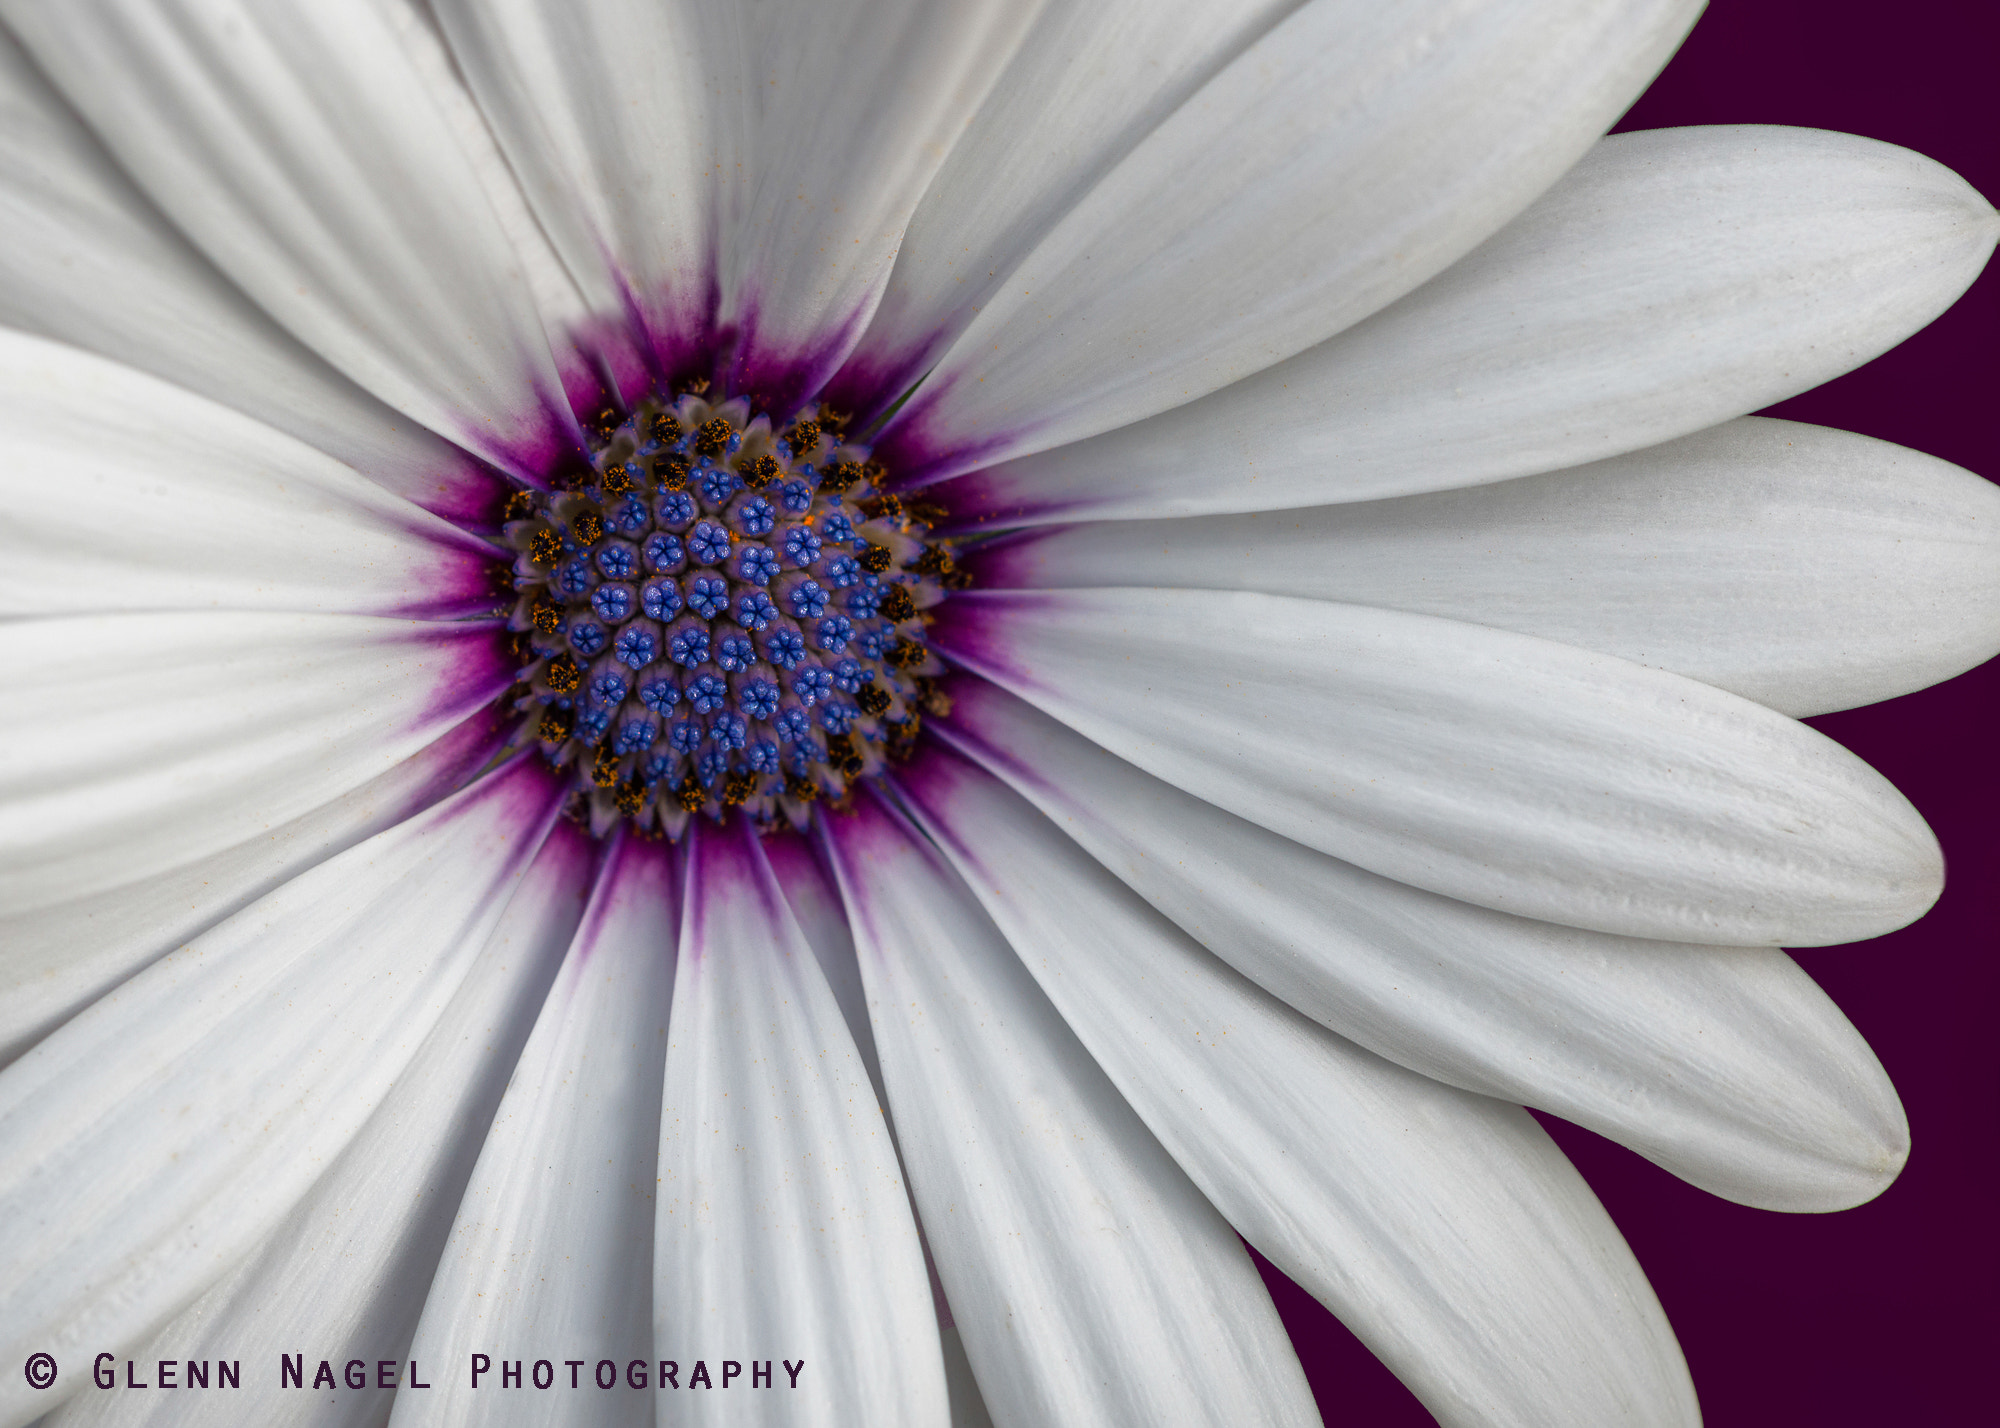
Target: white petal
column 1351, row 153
column 784, row 1227
column 1673, row 279
column 816, row 906
column 553, row 1244
column 89, row 261
column 182, row 1117
column 347, row 1270
column 1805, row 568
column 1507, row 771
column 1726, row 1065
column 550, row 286
column 56, row 960
column 1091, row 80
column 1446, row 1230
column 299, row 148
column 123, row 492
column 601, row 111
column 592, row 343
column 140, row 743
column 1090, row 1280
column 831, row 117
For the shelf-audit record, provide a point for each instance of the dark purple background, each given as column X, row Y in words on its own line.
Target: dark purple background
column 1888, row 1313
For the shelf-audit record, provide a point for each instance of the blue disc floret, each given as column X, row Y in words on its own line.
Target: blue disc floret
column 718, row 614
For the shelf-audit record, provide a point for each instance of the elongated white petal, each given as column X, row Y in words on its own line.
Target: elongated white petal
column 1092, row 79
column 1445, row 1229
column 89, row 261
column 1805, row 568
column 602, row 113
column 56, row 960
column 784, row 1228
column 1726, row 1065
column 831, row 116
column 1351, row 153
column 1673, row 279
column 182, row 1117
column 1089, row 1279
column 594, row 348
column 1504, row 770
column 140, row 743
column 550, row 1256
column 344, row 1276
column 550, row 286
column 123, row 492
column 817, row 907
column 299, row 149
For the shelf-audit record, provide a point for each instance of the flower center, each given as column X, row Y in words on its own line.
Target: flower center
column 718, row 615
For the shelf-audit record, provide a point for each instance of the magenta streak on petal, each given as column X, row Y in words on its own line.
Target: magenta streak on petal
column 603, row 893
column 470, row 664
column 867, row 383
column 986, row 499
column 459, row 581
column 655, row 344
column 850, row 841
column 546, row 441
column 781, row 378
column 921, row 451
column 524, row 796
column 572, row 846
column 1007, row 562
column 976, row 706
column 608, row 361
column 795, row 861
column 677, row 332
column 935, row 784
column 624, row 359
column 970, row 630
column 454, row 757
column 634, row 870
column 725, row 865
column 469, row 493
column 584, row 386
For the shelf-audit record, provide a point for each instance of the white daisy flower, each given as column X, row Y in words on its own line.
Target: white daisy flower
column 755, row 712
